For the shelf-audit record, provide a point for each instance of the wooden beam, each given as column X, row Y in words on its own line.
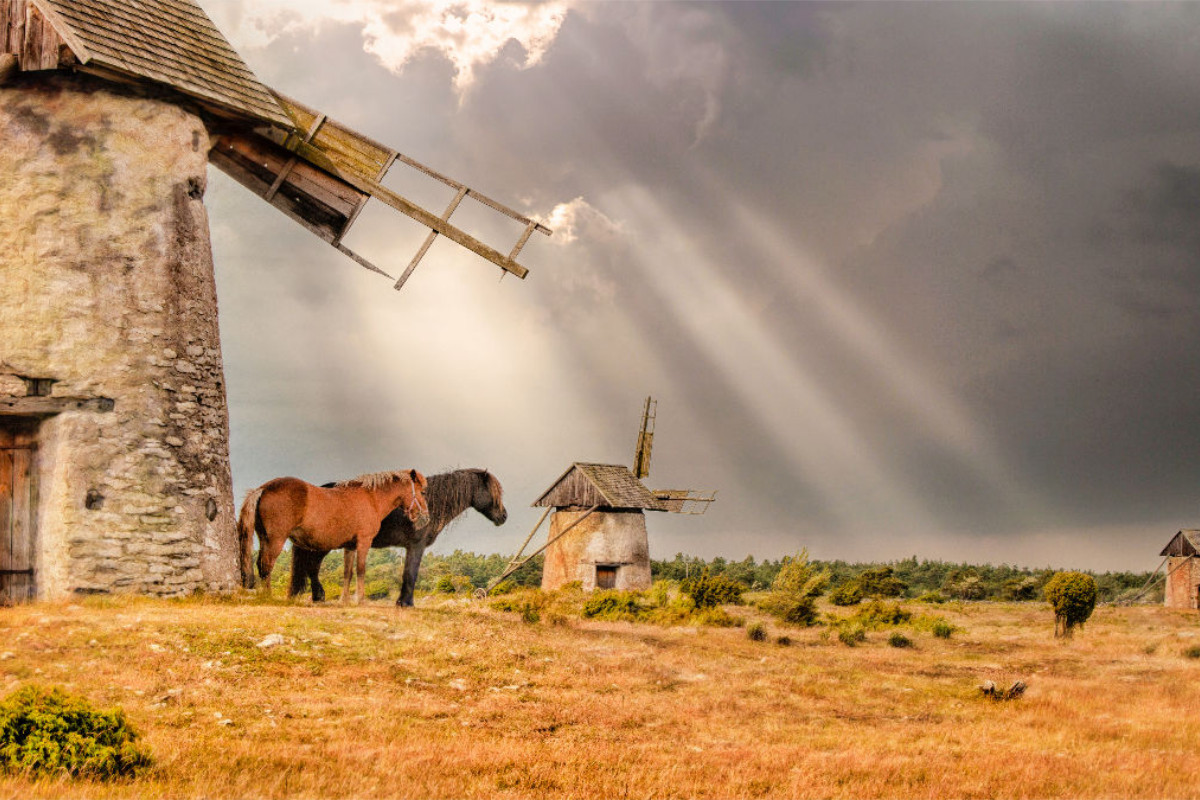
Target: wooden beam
column 460, row 237
column 49, row 406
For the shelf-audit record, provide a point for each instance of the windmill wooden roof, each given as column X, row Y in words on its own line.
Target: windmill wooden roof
column 606, row 485
column 171, row 42
column 1184, row 543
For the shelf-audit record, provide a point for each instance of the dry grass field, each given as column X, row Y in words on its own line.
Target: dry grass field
column 453, row 699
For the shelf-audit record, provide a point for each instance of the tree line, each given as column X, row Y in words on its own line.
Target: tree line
column 912, row 577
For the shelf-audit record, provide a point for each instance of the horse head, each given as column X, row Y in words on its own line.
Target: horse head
column 488, row 498
column 416, row 507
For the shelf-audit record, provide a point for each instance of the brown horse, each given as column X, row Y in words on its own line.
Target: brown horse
column 450, row 494
column 346, row 514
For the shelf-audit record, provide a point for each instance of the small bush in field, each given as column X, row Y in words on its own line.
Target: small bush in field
column 784, row 641
column 503, row 587
column 932, row 597
column 444, row 585
column 716, row 617
column 707, row 590
column 794, row 592
column 877, row 614
column 898, row 639
column 1073, row 597
column 613, row 604
column 660, row 593
column 846, row 594
column 1192, row 652
column 942, row 629
column 851, row 635
column 51, row 733
column 756, row 632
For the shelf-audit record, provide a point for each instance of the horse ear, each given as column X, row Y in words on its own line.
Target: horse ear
column 417, row 478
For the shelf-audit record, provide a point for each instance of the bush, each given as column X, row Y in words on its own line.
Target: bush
column 942, row 629
column 708, row 590
column 502, row 588
column 1073, row 597
column 851, row 634
column 757, row 632
column 1192, row 652
column 932, row 597
column 898, row 639
column 784, row 641
column 880, row 582
column 879, row 615
column 846, row 594
column 613, row 604
column 50, row 733
column 795, row 590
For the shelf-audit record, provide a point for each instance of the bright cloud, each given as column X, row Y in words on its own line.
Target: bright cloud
column 469, row 33
column 579, row 218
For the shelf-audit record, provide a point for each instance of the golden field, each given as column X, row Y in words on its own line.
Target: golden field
column 454, row 699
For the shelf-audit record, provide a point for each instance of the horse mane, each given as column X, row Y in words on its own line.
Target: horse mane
column 448, row 494
column 374, row 480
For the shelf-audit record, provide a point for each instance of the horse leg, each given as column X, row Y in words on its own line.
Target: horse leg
column 364, row 547
column 268, row 551
column 412, row 565
column 347, row 572
column 314, row 577
column 299, row 579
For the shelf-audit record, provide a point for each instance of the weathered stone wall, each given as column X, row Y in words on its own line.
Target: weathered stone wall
column 106, row 287
column 606, row 537
column 1183, row 583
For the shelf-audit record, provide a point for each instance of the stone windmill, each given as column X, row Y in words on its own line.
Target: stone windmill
column 114, row 458
column 598, row 526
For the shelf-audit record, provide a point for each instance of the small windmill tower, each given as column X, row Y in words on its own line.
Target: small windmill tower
column 114, row 456
column 598, row 527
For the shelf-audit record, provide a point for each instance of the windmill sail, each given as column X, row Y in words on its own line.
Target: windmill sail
column 645, row 442
column 321, row 173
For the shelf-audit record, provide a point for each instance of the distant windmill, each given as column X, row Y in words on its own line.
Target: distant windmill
column 601, row 506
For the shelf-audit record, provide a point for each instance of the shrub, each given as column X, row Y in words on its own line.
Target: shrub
column 877, row 614
column 898, row 639
column 846, row 594
column 795, row 590
column 502, row 588
column 444, row 585
column 880, row 582
column 783, row 641
column 942, row 629
column 1073, row 597
column 1192, row 652
column 660, row 593
column 756, row 632
column 613, row 604
column 932, row 597
column 49, row 733
column 708, row 590
column 851, row 634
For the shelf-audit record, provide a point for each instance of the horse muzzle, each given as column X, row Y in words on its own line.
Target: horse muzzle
column 421, row 520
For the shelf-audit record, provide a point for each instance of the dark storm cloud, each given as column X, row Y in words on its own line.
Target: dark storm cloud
column 997, row 203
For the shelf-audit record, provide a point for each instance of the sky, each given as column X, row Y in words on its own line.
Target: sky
column 904, row 278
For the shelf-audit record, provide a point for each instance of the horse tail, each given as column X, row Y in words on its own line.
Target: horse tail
column 247, row 523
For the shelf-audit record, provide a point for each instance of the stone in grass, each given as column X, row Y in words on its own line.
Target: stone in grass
column 49, row 733
column 272, row 640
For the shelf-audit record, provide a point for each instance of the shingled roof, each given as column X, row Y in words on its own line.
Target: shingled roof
column 171, row 42
column 606, row 485
column 1184, row 543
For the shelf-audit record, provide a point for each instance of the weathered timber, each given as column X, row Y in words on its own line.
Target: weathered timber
column 49, row 406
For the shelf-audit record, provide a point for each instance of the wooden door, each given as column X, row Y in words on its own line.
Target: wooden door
column 606, row 577
column 17, row 510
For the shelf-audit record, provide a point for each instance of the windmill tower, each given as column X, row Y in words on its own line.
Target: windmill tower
column 598, row 527
column 114, row 457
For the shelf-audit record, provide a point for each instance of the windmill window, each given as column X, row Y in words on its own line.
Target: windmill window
column 606, row 576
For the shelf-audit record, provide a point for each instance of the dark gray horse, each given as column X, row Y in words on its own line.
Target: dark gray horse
column 448, row 494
